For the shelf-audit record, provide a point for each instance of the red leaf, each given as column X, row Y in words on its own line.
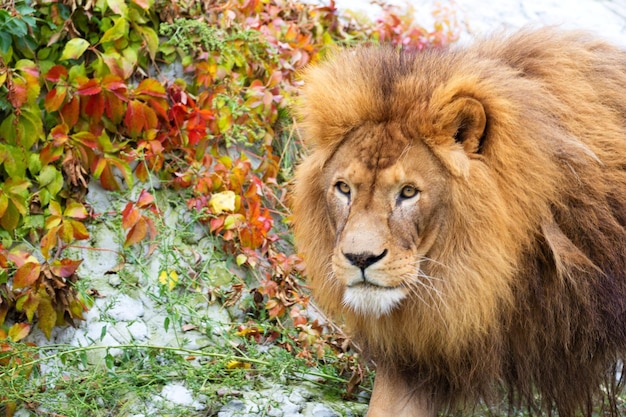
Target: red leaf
column 71, row 111
column 65, row 267
column 134, row 119
column 95, row 107
column 26, row 275
column 89, row 88
column 56, row 74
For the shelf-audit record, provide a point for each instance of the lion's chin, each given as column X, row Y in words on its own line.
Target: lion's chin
column 373, row 301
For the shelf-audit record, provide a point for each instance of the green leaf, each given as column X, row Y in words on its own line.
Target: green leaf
column 74, row 49
column 109, row 361
column 117, row 31
column 51, row 179
column 34, row 164
column 151, row 38
column 32, row 127
column 47, row 175
column 6, row 40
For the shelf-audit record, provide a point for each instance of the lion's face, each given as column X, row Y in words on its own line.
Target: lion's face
column 386, row 214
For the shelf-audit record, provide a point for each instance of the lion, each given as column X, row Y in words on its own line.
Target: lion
column 463, row 213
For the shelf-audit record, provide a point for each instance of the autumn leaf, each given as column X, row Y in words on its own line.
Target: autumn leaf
column 18, row 331
column 75, row 210
column 57, row 73
column 88, row 87
column 46, row 314
column 65, row 268
column 55, row 98
column 145, row 199
column 26, row 275
column 74, row 49
column 223, row 201
column 137, row 233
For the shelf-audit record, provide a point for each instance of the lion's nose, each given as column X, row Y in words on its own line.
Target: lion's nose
column 364, row 259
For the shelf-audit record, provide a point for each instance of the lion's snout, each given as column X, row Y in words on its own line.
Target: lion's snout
column 364, row 259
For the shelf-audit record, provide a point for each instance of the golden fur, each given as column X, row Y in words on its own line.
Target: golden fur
column 507, row 268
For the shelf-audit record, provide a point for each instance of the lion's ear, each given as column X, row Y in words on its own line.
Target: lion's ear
column 465, row 120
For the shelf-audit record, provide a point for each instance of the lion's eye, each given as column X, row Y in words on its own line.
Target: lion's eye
column 343, row 188
column 408, row 191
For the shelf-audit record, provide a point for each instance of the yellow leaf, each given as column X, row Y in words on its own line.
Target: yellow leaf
column 169, row 278
column 241, row 259
column 46, row 314
column 221, row 202
column 237, row 365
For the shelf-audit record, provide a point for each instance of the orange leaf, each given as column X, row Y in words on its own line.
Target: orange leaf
column 28, row 303
column 65, row 267
column 136, row 233
column 79, row 231
column 49, row 241
column 144, row 4
column 150, row 87
column 107, row 179
column 54, row 99
column 130, row 216
column 26, row 275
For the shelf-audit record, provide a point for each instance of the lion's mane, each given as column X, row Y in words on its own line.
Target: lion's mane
column 533, row 252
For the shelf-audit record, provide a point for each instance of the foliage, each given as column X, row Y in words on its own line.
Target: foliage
column 192, row 95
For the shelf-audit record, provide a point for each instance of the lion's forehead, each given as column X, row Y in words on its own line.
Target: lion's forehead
column 376, row 146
